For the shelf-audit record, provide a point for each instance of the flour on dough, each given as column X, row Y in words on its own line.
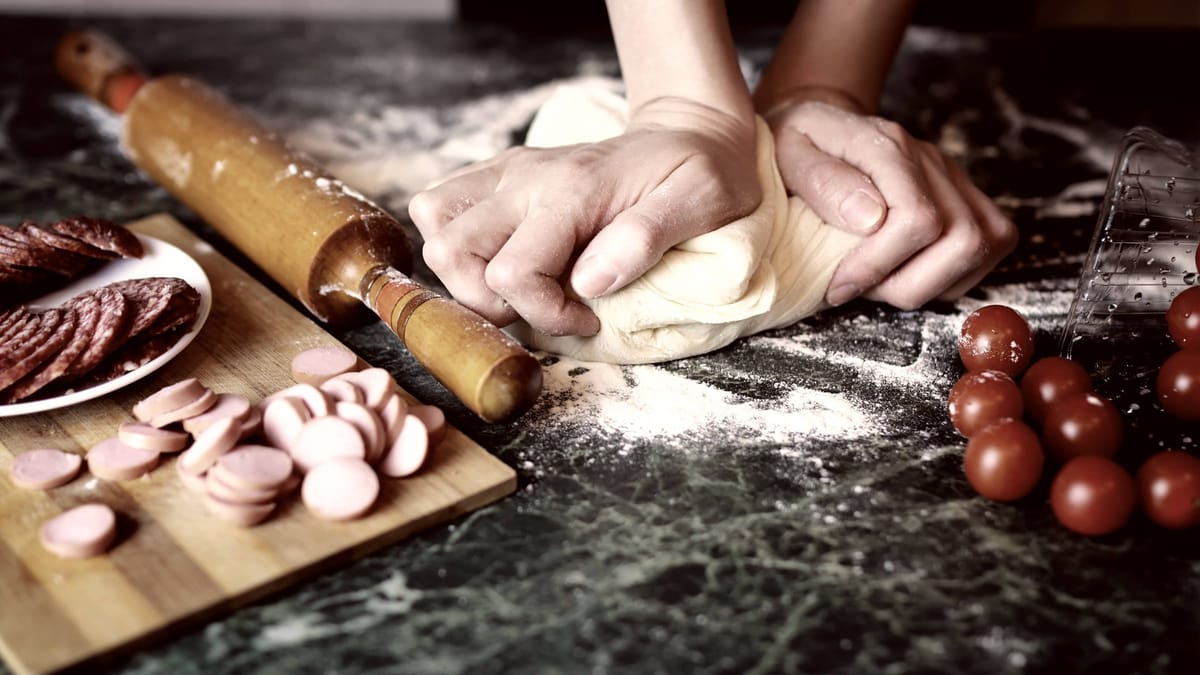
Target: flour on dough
column 766, row 270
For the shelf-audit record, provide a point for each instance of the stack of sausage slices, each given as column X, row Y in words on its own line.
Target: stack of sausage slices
column 95, row 336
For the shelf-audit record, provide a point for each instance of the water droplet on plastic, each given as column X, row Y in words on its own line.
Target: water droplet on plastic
column 1137, row 296
column 1112, row 307
column 1189, row 278
column 1144, row 223
column 1189, row 213
column 1152, row 236
column 1133, row 407
column 1170, row 184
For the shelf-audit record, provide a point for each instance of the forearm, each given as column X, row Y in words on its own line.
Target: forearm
column 679, row 50
column 837, row 51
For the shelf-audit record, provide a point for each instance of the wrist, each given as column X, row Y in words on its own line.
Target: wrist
column 776, row 103
column 676, row 112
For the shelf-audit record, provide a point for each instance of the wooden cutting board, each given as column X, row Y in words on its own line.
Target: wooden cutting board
column 174, row 565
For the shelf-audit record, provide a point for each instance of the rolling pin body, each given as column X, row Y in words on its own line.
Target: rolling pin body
column 323, row 242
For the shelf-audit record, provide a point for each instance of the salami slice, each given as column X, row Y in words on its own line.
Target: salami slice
column 18, row 339
column 60, row 241
column 131, row 356
column 56, row 329
column 101, row 233
column 11, row 318
column 108, row 333
column 46, row 257
column 149, row 298
column 86, row 315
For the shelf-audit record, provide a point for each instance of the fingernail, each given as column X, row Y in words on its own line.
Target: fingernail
column 861, row 211
column 842, row 294
column 592, row 277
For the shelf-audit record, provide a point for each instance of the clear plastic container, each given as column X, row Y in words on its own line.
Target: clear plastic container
column 1143, row 253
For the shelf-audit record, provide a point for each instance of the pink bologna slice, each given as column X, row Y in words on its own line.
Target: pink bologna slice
column 146, row 437
column 111, row 459
column 408, row 450
column 254, row 467
column 171, row 397
column 44, row 468
column 282, row 419
column 316, row 365
column 340, row 489
column 435, row 422
column 326, row 438
column 218, row 439
column 227, row 405
column 206, row 401
column 82, row 532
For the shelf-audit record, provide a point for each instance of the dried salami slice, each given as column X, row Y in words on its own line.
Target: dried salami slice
column 131, row 356
column 101, row 233
column 109, row 332
column 10, row 318
column 52, row 238
column 150, row 298
column 17, row 255
column 181, row 310
column 43, row 344
column 18, row 339
column 86, row 315
column 47, row 257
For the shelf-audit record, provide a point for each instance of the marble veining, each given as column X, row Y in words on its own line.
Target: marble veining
column 792, row 503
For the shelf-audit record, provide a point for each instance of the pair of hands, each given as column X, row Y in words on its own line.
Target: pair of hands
column 518, row 236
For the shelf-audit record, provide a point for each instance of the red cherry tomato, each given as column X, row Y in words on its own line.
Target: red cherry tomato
column 1004, row 460
column 1049, row 380
column 1178, row 385
column 1169, row 489
column 1183, row 319
column 996, row 337
column 978, row 399
column 1081, row 424
column 1092, row 496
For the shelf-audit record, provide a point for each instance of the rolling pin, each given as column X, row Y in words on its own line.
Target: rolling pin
column 327, row 245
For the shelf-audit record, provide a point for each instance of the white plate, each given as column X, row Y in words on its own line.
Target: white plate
column 159, row 259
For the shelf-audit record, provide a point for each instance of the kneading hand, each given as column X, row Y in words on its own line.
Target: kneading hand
column 930, row 233
column 505, row 235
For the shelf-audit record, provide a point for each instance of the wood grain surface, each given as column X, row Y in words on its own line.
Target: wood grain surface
column 174, row 565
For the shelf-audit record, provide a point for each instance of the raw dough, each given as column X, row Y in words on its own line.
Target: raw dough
column 766, row 270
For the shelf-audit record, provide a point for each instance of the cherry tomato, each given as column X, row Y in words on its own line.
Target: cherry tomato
column 1048, row 380
column 1183, row 319
column 996, row 337
column 1004, row 460
column 1179, row 385
column 1092, row 496
column 1081, row 424
column 978, row 399
column 1169, row 489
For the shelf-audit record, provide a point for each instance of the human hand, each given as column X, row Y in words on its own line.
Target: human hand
column 505, row 235
column 929, row 232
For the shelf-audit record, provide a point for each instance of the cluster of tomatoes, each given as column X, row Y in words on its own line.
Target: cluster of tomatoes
column 1019, row 414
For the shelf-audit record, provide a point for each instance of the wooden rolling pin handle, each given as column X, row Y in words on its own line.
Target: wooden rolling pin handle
column 489, row 371
column 99, row 67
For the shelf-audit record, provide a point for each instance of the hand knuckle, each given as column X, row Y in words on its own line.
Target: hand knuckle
column 439, row 254
column 502, row 275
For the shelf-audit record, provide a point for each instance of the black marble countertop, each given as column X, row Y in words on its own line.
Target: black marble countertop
column 793, row 503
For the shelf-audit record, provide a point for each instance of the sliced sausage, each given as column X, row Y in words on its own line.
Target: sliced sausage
column 44, row 468
column 169, row 398
column 227, row 405
column 315, row 366
column 58, row 327
column 254, row 467
column 111, row 459
column 375, row 383
column 146, row 437
column 206, row 401
column 325, row 438
column 100, row 233
column 242, row 515
column 392, row 412
column 342, row 390
column 108, row 334
column 408, row 450
column 340, row 489
column 318, row 402
column 193, row 482
column 282, row 419
column 46, row 257
column 435, row 422
column 216, row 440
column 369, row 426
column 52, row 238
column 86, row 314
column 219, row 487
column 82, row 532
